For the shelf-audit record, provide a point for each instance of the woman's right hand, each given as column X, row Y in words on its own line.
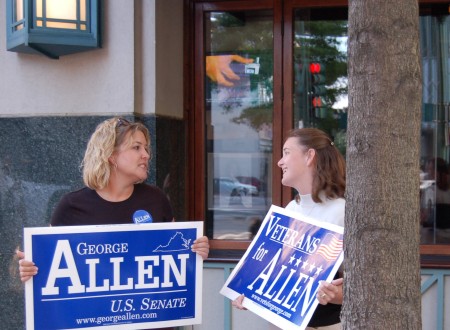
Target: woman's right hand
column 27, row 269
column 331, row 292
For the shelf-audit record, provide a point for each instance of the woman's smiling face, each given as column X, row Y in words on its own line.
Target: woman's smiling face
column 295, row 164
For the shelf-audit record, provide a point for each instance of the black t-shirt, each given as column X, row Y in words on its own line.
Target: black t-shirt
column 325, row 315
column 86, row 207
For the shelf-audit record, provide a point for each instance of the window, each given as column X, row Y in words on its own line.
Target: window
column 319, row 95
column 435, row 137
column 238, row 120
column 264, row 67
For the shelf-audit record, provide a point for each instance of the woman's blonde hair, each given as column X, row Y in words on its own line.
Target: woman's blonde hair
column 107, row 138
column 329, row 176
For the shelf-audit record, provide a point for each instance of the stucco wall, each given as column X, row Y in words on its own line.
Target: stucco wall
column 94, row 82
column 126, row 75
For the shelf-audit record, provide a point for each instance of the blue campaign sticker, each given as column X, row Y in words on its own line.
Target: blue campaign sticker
column 142, row 216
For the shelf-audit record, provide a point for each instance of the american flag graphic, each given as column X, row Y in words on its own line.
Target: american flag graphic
column 330, row 248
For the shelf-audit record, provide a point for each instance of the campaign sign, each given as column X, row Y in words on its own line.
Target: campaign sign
column 280, row 272
column 135, row 276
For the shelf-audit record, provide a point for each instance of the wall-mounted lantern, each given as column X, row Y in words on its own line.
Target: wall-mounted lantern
column 53, row 27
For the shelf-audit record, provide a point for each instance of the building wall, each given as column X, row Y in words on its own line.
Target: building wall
column 139, row 49
column 89, row 83
column 49, row 108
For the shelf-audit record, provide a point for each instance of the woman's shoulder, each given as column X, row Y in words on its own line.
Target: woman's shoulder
column 334, row 211
column 292, row 205
column 338, row 202
column 70, row 201
column 78, row 194
column 335, row 205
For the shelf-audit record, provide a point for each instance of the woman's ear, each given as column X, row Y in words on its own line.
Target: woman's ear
column 112, row 161
column 311, row 154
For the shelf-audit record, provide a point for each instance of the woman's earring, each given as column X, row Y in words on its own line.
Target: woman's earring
column 113, row 162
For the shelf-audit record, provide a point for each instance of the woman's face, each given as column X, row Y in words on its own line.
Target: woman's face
column 132, row 158
column 295, row 164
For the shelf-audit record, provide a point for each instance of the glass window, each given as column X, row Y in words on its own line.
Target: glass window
column 435, row 138
column 320, row 99
column 320, row 96
column 238, row 121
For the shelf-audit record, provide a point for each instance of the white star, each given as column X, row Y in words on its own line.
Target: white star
column 291, row 260
column 318, row 270
column 305, row 264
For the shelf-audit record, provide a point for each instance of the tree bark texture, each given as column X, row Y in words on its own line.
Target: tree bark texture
column 382, row 260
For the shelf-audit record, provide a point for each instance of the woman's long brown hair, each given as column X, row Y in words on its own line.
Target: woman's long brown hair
column 329, row 176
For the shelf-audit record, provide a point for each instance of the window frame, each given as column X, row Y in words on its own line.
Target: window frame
column 196, row 146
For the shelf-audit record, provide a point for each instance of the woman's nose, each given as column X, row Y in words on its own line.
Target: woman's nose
column 280, row 162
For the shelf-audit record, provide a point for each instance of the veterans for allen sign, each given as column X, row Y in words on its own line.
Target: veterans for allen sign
column 280, row 272
column 135, row 276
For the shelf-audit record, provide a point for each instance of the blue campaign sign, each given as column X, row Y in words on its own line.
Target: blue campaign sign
column 136, row 276
column 280, row 272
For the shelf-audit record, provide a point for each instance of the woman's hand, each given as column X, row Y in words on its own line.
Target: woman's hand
column 218, row 68
column 201, row 247
column 27, row 269
column 330, row 292
column 237, row 303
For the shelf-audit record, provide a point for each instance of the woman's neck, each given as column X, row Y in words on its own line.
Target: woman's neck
column 114, row 193
column 304, row 189
column 304, row 184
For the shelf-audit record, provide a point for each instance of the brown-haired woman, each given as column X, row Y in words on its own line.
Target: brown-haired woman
column 315, row 168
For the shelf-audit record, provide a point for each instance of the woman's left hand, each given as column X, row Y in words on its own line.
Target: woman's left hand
column 201, row 246
column 330, row 292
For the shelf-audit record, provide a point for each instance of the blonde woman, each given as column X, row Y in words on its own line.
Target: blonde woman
column 115, row 165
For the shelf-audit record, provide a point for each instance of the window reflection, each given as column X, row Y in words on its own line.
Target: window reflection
column 238, row 119
column 435, row 152
column 320, row 96
column 320, row 100
column 435, row 201
column 239, row 111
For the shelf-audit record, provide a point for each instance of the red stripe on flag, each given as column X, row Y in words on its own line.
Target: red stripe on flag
column 331, row 249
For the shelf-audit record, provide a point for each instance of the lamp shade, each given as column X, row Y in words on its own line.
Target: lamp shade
column 53, row 27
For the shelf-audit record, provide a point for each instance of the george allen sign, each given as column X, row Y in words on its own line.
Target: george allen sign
column 280, row 272
column 114, row 277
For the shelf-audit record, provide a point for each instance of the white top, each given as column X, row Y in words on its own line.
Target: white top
column 330, row 210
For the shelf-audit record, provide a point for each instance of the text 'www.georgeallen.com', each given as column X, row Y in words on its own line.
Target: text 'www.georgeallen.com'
column 271, row 306
column 116, row 319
